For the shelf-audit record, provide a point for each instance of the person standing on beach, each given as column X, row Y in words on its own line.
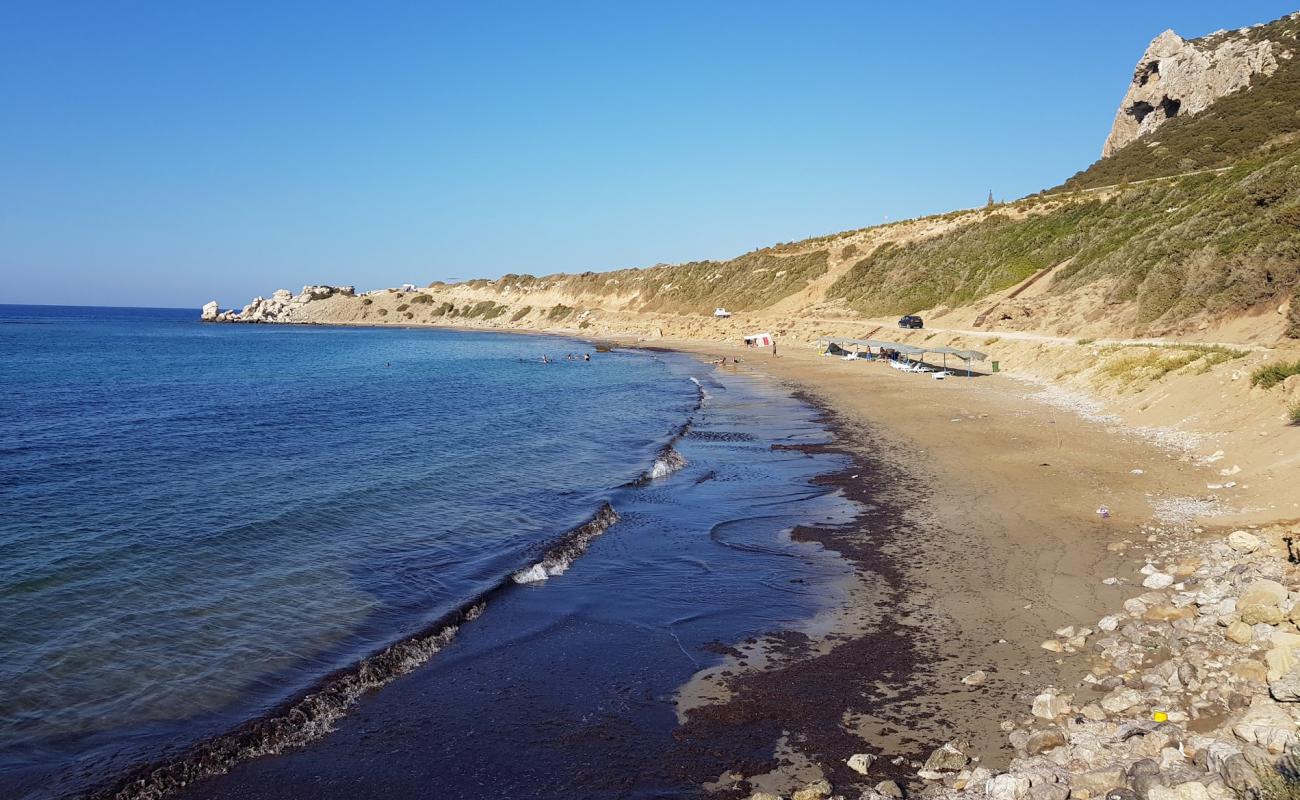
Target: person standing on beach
column 774, row 348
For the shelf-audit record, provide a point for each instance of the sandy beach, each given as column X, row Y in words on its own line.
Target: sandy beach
column 999, row 541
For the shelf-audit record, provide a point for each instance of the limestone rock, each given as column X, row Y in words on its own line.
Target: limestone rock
column 948, row 758
column 1120, row 700
column 1260, row 614
column 1007, row 787
column 1158, row 580
column 1243, row 542
column 1044, row 740
column 1050, row 705
column 1240, row 632
column 1262, row 593
column 1097, row 782
column 1267, row 725
column 861, row 762
column 210, row 311
column 1176, row 76
column 817, row 790
column 976, row 678
column 889, row 789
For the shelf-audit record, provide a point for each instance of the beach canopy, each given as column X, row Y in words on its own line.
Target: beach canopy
column 907, row 349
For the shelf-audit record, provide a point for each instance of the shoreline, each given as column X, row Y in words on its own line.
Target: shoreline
column 1015, row 557
column 263, row 735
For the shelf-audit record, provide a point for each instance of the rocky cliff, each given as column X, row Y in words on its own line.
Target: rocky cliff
column 1184, row 76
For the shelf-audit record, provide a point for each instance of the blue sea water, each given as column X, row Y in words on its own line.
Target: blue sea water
column 200, row 522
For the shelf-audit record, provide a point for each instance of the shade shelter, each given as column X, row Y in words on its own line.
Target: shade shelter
column 905, row 349
column 758, row 340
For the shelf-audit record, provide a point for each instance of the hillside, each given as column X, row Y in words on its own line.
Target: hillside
column 1192, row 224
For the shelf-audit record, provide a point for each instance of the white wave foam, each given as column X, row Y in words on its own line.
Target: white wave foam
column 667, row 463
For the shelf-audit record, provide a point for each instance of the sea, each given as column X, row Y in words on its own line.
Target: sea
column 265, row 561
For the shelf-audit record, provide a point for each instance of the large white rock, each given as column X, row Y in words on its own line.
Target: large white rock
column 210, row 311
column 1177, row 77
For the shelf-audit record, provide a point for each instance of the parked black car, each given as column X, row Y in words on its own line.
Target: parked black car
column 911, row 321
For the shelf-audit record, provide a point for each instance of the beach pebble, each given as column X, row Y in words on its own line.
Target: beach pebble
column 976, row 678
column 889, row 789
column 1052, row 645
column 1109, row 623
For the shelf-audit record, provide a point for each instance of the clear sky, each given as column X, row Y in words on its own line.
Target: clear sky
column 170, row 153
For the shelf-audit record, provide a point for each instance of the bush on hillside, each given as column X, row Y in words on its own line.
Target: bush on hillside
column 1271, row 375
column 1293, row 316
column 521, row 313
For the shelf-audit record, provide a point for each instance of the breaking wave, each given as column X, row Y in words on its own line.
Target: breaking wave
column 313, row 715
column 563, row 553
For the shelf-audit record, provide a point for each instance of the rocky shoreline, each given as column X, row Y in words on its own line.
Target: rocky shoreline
column 1192, row 690
column 279, row 307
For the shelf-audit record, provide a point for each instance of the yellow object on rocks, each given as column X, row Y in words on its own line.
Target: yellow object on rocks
column 1160, row 716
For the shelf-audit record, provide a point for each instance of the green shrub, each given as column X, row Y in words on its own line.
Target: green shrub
column 1271, row 375
column 559, row 312
column 444, row 309
column 403, row 306
column 365, row 301
column 409, row 315
column 383, row 312
column 1293, row 413
column 421, row 299
column 485, row 309
column 521, row 313
column 1084, row 341
column 1293, row 317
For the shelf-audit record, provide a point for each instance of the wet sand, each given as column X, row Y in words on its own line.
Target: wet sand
column 989, row 539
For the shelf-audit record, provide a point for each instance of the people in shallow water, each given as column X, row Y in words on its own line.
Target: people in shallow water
column 586, row 356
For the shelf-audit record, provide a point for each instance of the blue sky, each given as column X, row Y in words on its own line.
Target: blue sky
column 170, row 153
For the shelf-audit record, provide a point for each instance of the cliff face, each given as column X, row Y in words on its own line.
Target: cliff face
column 1177, row 76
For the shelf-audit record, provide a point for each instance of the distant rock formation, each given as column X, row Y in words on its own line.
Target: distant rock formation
column 1177, row 76
column 278, row 307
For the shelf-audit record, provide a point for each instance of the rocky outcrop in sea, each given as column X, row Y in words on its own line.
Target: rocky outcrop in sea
column 279, row 307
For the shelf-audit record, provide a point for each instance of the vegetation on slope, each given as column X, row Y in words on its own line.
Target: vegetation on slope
column 1244, row 124
column 754, row 280
column 1215, row 243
